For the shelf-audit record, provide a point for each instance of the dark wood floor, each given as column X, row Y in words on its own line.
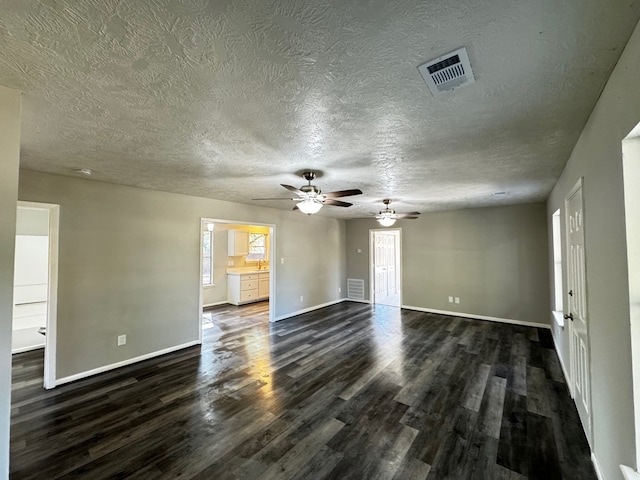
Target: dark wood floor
column 347, row 392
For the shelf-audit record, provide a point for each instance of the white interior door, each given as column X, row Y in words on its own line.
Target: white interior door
column 577, row 303
column 386, row 271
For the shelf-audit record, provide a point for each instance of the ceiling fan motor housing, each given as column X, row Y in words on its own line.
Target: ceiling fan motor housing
column 310, row 189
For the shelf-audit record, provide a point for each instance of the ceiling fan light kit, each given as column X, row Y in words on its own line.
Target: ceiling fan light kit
column 386, row 221
column 388, row 216
column 311, row 199
column 309, row 207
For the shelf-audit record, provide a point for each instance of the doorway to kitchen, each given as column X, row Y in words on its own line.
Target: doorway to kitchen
column 236, row 266
column 385, row 267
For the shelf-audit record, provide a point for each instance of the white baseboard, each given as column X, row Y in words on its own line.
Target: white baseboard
column 309, row 309
column 596, row 467
column 478, row 317
column 215, row 304
column 356, row 300
column 629, row 473
column 124, row 363
column 27, row 349
column 562, row 365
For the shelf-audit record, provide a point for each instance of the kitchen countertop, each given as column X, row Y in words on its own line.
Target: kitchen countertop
column 245, row 270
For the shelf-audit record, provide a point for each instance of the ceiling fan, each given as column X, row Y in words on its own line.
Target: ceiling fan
column 388, row 216
column 310, row 198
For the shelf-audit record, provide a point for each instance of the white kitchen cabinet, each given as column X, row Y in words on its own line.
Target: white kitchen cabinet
column 238, row 243
column 247, row 287
column 263, row 286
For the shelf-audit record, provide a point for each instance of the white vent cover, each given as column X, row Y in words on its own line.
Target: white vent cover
column 355, row 288
column 448, row 72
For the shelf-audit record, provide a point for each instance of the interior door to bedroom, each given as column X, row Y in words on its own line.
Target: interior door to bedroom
column 386, row 267
column 577, row 301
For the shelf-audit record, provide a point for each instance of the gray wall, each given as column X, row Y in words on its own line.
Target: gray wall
column 494, row 259
column 9, row 161
column 597, row 157
column 129, row 264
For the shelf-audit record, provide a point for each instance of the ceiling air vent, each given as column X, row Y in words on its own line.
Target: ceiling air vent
column 448, row 72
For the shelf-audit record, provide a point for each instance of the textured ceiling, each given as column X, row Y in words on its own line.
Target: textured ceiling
column 228, row 99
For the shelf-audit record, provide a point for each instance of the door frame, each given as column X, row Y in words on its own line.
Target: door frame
column 372, row 273
column 272, row 265
column 567, row 307
column 50, row 339
column 630, row 174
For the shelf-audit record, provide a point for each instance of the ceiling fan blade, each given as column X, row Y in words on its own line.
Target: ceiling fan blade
column 407, row 215
column 273, row 198
column 343, row 193
column 336, row 203
column 295, row 190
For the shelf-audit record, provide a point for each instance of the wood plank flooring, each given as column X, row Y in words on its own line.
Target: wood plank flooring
column 352, row 391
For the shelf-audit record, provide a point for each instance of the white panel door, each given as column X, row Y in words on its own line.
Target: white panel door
column 386, row 245
column 578, row 317
column 381, row 266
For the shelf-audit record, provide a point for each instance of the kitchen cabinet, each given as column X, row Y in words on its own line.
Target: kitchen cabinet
column 263, row 286
column 247, row 287
column 238, row 243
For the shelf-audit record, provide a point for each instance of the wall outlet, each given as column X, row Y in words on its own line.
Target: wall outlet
column 301, row 298
column 450, row 299
column 358, row 250
column 282, row 261
column 457, row 299
column 122, row 340
column 230, row 263
column 339, row 289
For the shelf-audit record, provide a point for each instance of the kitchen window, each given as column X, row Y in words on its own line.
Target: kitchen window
column 257, row 246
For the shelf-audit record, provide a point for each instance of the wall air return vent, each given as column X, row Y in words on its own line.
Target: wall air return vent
column 448, row 72
column 355, row 288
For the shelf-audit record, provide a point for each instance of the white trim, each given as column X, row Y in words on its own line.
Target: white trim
column 26, row 349
column 310, row 309
column 479, row 317
column 272, row 273
column 628, row 473
column 215, row 304
column 200, row 278
column 596, row 466
column 565, row 372
column 630, row 173
column 124, row 363
column 558, row 317
column 356, row 300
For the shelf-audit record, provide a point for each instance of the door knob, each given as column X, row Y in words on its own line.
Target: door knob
column 567, row 317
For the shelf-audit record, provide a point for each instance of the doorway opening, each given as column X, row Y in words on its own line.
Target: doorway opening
column 36, row 283
column 385, row 267
column 237, row 265
column 631, row 177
